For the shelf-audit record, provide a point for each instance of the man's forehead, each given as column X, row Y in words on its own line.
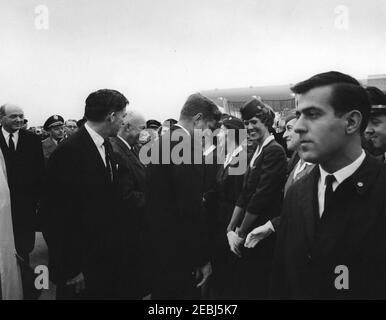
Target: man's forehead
column 318, row 97
column 135, row 119
column 291, row 122
column 13, row 109
column 253, row 118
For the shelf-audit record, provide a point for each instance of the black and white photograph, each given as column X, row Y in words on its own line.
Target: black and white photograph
column 191, row 155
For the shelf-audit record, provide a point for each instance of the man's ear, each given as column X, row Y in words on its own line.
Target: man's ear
column 110, row 117
column 353, row 121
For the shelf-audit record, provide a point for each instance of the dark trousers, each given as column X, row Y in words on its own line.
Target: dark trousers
column 176, row 285
column 65, row 292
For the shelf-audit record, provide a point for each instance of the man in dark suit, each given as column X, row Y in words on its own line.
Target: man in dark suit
column 25, row 168
column 81, row 201
column 131, row 188
column 331, row 239
column 177, row 227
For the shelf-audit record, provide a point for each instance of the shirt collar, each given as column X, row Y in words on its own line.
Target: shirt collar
column 345, row 172
column 124, row 141
column 6, row 134
column 96, row 137
column 178, row 125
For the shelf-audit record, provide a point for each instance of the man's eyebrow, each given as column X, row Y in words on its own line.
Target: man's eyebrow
column 308, row 109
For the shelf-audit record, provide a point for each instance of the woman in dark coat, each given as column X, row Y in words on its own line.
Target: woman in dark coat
column 260, row 200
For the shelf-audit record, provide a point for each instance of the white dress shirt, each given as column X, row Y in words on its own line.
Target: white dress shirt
column 339, row 175
column 15, row 137
column 98, row 140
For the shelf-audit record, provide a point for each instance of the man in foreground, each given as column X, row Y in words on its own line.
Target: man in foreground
column 331, row 239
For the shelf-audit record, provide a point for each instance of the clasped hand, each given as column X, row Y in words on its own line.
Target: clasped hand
column 235, row 242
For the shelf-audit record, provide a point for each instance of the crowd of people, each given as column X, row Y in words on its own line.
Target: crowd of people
column 207, row 207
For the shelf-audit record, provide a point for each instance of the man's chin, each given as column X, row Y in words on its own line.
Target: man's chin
column 309, row 157
column 378, row 145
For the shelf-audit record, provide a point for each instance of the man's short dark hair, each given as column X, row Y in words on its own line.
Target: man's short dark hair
column 197, row 103
column 102, row 102
column 289, row 118
column 347, row 93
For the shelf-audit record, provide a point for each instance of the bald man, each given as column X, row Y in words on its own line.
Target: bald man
column 25, row 165
column 131, row 181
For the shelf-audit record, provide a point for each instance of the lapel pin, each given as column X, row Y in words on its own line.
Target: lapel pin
column 360, row 184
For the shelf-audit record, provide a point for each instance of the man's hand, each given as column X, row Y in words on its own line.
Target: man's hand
column 234, row 242
column 204, row 273
column 79, row 283
column 258, row 234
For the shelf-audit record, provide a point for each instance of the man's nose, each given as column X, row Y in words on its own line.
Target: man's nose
column 369, row 130
column 300, row 126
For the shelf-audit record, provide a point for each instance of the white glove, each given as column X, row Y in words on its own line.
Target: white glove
column 258, row 234
column 234, row 242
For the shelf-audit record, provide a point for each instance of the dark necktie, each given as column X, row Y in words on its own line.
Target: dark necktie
column 108, row 151
column 328, row 194
column 11, row 144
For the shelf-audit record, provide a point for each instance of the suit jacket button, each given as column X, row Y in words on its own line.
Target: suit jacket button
column 309, row 258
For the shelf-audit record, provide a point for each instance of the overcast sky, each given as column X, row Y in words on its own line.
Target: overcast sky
column 157, row 52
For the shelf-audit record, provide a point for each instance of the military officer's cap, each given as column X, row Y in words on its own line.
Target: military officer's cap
column 377, row 100
column 53, row 121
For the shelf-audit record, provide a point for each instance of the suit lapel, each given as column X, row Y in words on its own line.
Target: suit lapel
column 124, row 149
column 352, row 189
column 92, row 150
column 308, row 195
column 135, row 159
column 289, row 181
column 20, row 142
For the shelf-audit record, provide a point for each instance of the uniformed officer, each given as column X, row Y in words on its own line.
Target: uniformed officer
column 376, row 128
column 54, row 125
